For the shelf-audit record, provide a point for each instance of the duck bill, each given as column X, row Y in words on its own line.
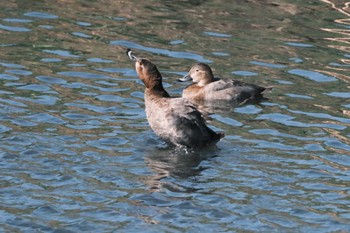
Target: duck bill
column 132, row 56
column 185, row 78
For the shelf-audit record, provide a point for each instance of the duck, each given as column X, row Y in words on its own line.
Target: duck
column 175, row 120
column 206, row 87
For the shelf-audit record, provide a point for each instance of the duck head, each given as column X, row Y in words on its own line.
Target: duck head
column 146, row 71
column 200, row 73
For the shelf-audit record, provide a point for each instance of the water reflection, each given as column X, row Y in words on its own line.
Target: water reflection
column 173, row 168
column 78, row 155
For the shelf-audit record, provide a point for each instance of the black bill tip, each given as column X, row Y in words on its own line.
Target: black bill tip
column 130, row 54
column 185, row 78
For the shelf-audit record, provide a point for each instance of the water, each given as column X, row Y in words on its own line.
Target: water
column 77, row 154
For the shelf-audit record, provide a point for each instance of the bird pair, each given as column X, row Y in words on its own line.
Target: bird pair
column 176, row 120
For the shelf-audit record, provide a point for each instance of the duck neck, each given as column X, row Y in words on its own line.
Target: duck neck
column 206, row 80
column 154, row 86
column 157, row 92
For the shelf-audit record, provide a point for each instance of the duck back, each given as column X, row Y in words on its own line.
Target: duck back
column 178, row 122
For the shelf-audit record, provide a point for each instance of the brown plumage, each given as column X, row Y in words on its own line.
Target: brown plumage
column 206, row 87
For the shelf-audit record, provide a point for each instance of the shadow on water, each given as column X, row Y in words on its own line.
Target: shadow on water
column 171, row 168
column 176, row 164
column 208, row 108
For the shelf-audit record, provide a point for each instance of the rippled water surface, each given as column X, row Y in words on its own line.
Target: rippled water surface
column 77, row 154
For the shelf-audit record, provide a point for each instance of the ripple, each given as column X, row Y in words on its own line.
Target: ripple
column 76, row 65
column 82, row 126
column 22, row 122
column 265, row 64
column 8, row 45
column 312, row 75
column 302, row 45
column 176, row 42
column 340, row 159
column 338, row 65
column 124, row 71
column 42, row 15
column 119, row 18
column 11, row 65
column 107, row 143
column 244, row 73
column 284, row 82
column 345, row 95
column 99, row 60
column 6, row 92
column 81, row 34
column 51, row 60
column 299, row 96
column 296, row 59
column 216, row 34
column 4, row 129
column 36, row 87
column 15, row 20
column 44, row 211
column 8, row 109
column 221, row 54
column 43, row 99
column 107, row 83
column 22, row 140
column 79, row 85
column 84, row 24
column 249, row 109
column 62, row 53
column 115, row 98
column 14, row 29
column 12, row 102
column 288, row 121
column 51, row 80
column 77, row 116
column 226, row 120
column 140, row 95
column 85, row 75
column 322, row 116
column 335, row 143
column 19, row 72
column 85, row 158
column 45, row 118
column 187, row 55
column 46, row 26
column 12, row 84
column 271, row 145
column 8, row 77
column 277, row 133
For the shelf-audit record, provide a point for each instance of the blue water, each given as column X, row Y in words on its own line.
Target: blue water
column 77, row 153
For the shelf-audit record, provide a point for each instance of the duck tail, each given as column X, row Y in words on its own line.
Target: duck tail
column 220, row 135
column 267, row 89
column 215, row 138
column 260, row 94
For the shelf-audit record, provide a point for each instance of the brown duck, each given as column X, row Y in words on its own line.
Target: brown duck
column 175, row 120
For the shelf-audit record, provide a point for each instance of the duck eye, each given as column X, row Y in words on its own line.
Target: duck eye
column 197, row 70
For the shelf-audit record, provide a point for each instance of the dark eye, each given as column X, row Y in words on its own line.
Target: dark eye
column 197, row 70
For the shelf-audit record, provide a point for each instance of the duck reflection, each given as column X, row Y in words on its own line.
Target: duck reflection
column 174, row 167
column 208, row 108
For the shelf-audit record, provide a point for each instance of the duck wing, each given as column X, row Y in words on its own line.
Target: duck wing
column 234, row 90
column 222, row 84
column 191, row 129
